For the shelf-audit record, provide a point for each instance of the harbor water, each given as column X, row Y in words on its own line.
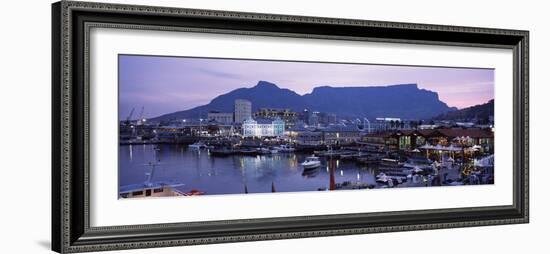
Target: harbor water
column 197, row 169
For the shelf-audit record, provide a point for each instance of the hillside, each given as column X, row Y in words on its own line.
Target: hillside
column 406, row 101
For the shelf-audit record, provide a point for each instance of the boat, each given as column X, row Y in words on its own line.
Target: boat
column 150, row 188
column 311, row 162
column 390, row 180
column 351, row 155
column 348, row 156
column 194, row 192
column 390, row 162
column 335, row 153
column 285, row 149
column 310, row 173
column 263, row 151
column 368, row 159
column 222, row 151
column 248, row 151
column 398, row 172
column 198, row 145
column 417, row 162
column 417, row 170
column 383, row 179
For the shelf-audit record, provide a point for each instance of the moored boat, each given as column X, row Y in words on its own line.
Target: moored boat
column 150, row 188
column 263, row 151
column 222, row 151
column 198, row 145
column 311, row 162
column 285, row 149
column 194, row 192
column 415, row 162
column 390, row 162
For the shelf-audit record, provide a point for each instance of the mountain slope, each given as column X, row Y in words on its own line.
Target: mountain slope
column 404, row 101
column 481, row 111
column 263, row 95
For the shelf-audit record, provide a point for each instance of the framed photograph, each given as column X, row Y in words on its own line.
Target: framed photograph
column 182, row 126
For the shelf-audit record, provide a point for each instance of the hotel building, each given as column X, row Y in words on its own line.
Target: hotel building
column 243, row 110
column 263, row 128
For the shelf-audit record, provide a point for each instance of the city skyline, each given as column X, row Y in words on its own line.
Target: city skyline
column 167, row 84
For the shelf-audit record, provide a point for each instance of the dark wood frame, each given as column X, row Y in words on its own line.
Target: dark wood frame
column 71, row 22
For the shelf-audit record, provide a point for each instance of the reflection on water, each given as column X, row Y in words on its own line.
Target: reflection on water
column 233, row 174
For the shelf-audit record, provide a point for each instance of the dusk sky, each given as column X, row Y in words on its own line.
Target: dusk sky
column 168, row 84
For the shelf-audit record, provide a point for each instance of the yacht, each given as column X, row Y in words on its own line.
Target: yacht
column 266, row 151
column 311, row 162
column 198, row 145
column 285, row 149
column 382, row 178
column 387, row 162
column 417, row 162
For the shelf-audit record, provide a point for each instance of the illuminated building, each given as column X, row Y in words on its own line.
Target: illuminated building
column 286, row 115
column 263, row 128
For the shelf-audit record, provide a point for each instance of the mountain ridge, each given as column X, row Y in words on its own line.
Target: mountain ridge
column 400, row 100
column 481, row 112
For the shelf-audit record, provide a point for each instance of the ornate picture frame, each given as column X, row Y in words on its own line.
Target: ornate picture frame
column 71, row 202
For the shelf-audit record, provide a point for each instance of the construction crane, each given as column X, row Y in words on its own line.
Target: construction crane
column 130, row 116
column 140, row 118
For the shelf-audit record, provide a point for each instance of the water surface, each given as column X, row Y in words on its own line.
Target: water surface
column 197, row 169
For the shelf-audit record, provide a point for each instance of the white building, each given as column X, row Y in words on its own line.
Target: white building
column 263, row 128
column 225, row 118
column 243, row 110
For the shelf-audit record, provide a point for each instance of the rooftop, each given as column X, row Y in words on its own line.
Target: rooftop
column 341, row 128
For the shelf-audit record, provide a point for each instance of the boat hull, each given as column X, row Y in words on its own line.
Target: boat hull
column 311, row 165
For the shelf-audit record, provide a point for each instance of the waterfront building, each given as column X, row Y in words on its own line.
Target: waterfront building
column 484, row 138
column 375, row 141
column 243, row 110
column 340, row 134
column 465, row 124
column 304, row 116
column 392, row 123
column 313, row 119
column 428, row 126
column 309, row 138
column 171, row 133
column 319, row 119
column 408, row 140
column 219, row 129
column 331, row 118
column 286, row 115
column 291, row 133
column 224, row 118
column 263, row 128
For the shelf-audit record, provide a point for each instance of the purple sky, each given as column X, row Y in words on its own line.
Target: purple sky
column 168, row 84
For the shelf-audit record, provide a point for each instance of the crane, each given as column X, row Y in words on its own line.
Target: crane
column 130, row 116
column 140, row 118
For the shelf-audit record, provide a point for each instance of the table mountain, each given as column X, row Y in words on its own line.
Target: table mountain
column 406, row 101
